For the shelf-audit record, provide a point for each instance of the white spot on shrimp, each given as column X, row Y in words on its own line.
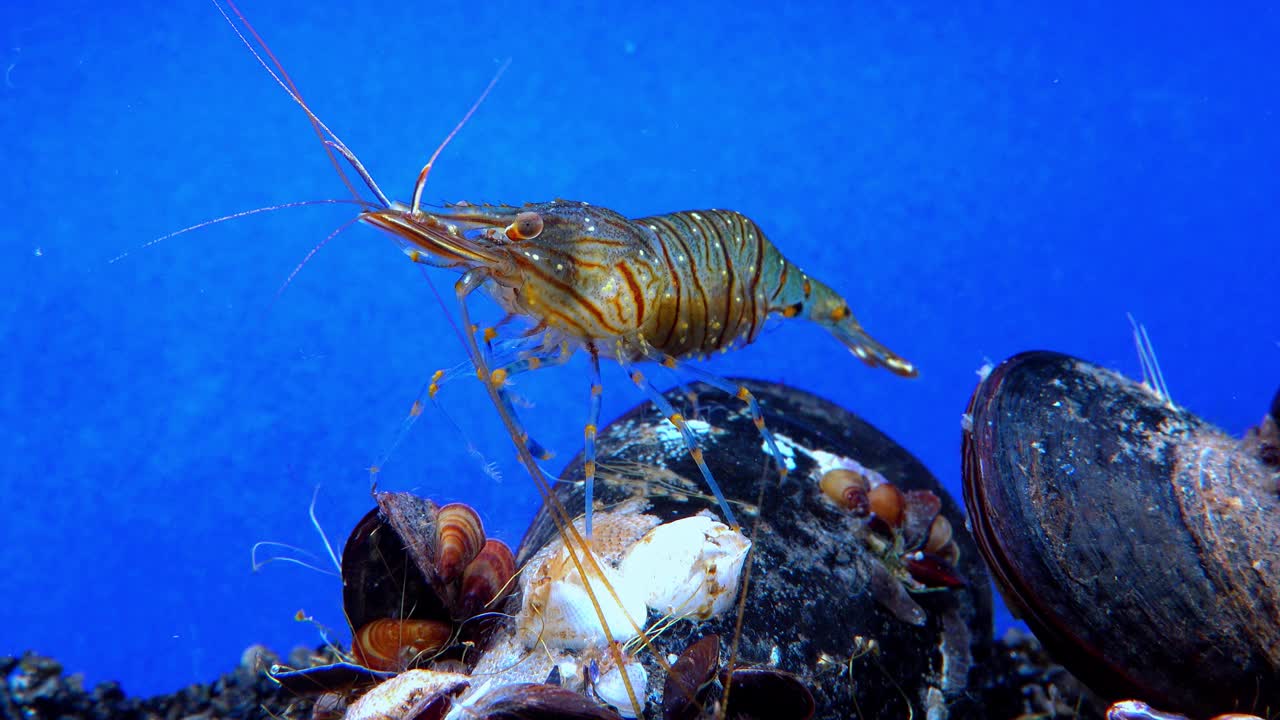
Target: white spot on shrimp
column 559, row 266
column 696, row 216
column 535, row 256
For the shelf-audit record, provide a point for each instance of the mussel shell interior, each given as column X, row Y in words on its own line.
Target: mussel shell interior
column 381, row 576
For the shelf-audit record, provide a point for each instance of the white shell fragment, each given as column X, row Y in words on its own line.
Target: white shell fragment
column 558, row 611
column 612, row 691
column 687, row 568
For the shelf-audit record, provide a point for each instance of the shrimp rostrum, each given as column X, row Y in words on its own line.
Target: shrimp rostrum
column 665, row 289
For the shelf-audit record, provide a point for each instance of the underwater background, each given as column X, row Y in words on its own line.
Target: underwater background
column 976, row 179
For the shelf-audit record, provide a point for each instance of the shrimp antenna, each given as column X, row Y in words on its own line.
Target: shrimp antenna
column 426, row 169
column 311, row 511
column 334, row 142
column 233, row 216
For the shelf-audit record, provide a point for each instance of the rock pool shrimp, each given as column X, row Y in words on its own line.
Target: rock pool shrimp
column 665, row 288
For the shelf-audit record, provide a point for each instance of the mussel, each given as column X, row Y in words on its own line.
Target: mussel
column 1140, row 543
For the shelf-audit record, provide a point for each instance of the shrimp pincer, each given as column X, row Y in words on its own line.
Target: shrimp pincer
column 664, row 288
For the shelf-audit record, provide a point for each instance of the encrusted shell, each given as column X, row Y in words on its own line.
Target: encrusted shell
column 559, row 612
column 687, row 568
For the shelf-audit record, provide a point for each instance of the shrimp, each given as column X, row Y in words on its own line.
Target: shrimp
column 665, row 288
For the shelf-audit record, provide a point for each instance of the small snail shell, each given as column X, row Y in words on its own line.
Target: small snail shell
column 848, row 489
column 460, row 536
column 486, row 578
column 388, row 644
column 939, row 535
column 888, row 503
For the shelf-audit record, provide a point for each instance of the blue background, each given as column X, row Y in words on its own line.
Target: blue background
column 978, row 180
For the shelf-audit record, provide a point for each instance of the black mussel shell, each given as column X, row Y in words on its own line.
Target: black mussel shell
column 818, row 593
column 536, row 701
column 381, row 575
column 1138, row 543
column 766, row 694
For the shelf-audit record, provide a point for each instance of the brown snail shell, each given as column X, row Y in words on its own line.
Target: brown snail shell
column 486, row 579
column 387, row 644
column 848, row 489
column 1139, row 543
column 888, row 503
column 460, row 537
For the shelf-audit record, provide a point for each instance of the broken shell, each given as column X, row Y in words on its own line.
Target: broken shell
column 460, row 537
column 848, row 489
column 387, row 644
column 1138, row 542
column 612, row 690
column 687, row 568
column 486, row 579
column 558, row 611
column 411, row 695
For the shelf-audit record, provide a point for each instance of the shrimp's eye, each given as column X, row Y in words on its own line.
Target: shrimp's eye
column 528, row 225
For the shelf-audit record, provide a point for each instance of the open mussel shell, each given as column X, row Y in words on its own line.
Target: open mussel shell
column 816, row 609
column 387, row 563
column 1139, row 543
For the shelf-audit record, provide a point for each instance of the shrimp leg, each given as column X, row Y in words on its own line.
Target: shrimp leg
column 739, row 391
column 690, row 442
column 589, row 444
